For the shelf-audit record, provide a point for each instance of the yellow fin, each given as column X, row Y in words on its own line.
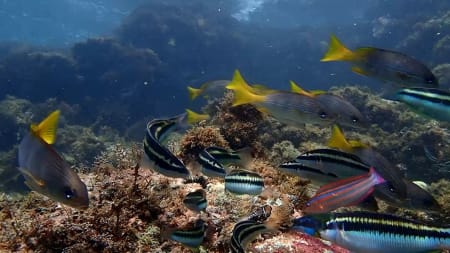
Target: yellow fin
column 359, row 70
column 243, row 93
column 36, row 181
column 193, row 117
column 194, row 92
column 337, row 51
column 260, row 89
column 46, row 130
column 338, row 140
column 317, row 92
column 297, row 89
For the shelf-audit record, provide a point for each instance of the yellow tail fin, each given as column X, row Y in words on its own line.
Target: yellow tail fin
column 47, row 128
column 194, row 92
column 243, row 93
column 193, row 117
column 337, row 51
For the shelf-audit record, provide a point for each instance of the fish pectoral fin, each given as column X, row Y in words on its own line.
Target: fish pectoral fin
column 359, row 71
column 36, row 180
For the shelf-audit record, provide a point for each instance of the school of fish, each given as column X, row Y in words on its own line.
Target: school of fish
column 348, row 172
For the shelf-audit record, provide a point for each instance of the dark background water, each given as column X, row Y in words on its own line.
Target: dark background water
column 129, row 60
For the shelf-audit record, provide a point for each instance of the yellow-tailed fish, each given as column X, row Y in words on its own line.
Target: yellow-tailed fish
column 209, row 89
column 287, row 107
column 397, row 190
column 382, row 64
column 45, row 171
column 347, row 114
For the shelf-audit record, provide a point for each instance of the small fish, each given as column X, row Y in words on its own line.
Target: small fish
column 433, row 103
column 365, row 232
column 241, row 157
column 210, row 166
column 191, row 238
column 158, row 157
column 45, row 171
column 287, row 107
column 345, row 192
column 246, row 231
column 181, row 122
column 196, row 200
column 322, row 166
column 347, row 114
column 244, row 182
column 382, row 64
column 209, row 89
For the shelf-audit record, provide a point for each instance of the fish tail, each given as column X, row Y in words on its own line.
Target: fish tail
column 46, row 130
column 378, row 178
column 245, row 155
column 243, row 93
column 194, row 92
column 193, row 117
column 337, row 51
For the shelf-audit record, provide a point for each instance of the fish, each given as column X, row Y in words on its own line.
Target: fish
column 196, row 200
column 244, row 182
column 241, row 157
column 429, row 102
column 45, row 171
column 382, row 64
column 158, row 157
column 398, row 191
column 210, row 166
column 345, row 192
column 209, row 89
column 367, row 232
column 287, row 107
column 246, row 231
column 323, row 166
column 347, row 114
column 177, row 123
column 191, row 238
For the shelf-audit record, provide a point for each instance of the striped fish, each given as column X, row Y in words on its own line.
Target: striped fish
column 244, row 182
column 244, row 232
column 158, row 157
column 191, row 238
column 322, row 166
column 431, row 102
column 196, row 200
column 239, row 157
column 345, row 192
column 376, row 233
column 211, row 167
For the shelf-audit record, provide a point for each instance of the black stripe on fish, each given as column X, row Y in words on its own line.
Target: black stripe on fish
column 221, row 153
column 431, row 95
column 244, row 177
column 300, row 167
column 160, row 127
column 210, row 164
column 334, row 156
column 243, row 232
column 384, row 224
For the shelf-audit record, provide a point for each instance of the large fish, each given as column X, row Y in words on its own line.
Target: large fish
column 158, row 157
column 287, row 107
column 433, row 103
column 345, row 192
column 397, row 191
column 45, row 171
column 364, row 232
column 382, row 64
column 347, row 114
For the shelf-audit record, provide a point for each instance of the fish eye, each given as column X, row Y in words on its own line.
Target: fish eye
column 354, row 119
column 323, row 115
column 68, row 193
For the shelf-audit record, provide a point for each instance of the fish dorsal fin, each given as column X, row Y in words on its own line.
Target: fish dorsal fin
column 317, row 92
column 46, row 130
column 243, row 93
column 338, row 140
column 193, row 117
column 359, row 71
column 261, row 89
column 297, row 89
column 337, row 51
column 194, row 92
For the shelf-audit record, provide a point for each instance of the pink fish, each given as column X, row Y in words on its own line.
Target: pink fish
column 346, row 192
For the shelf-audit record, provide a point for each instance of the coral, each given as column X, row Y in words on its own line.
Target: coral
column 199, row 138
column 282, row 152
